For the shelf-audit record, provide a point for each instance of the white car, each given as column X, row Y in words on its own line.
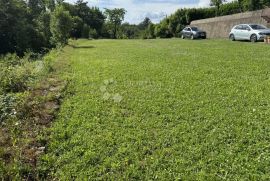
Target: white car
column 251, row 32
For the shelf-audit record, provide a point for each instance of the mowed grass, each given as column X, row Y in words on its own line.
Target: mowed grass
column 164, row 110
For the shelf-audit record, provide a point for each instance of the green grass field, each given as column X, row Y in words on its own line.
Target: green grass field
column 164, row 110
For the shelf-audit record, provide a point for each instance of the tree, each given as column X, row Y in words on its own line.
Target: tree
column 144, row 24
column 93, row 33
column 85, row 31
column 40, row 33
column 96, row 19
column 36, row 7
column 82, row 10
column 149, row 33
column 39, row 24
column 129, row 31
column 162, row 30
column 50, row 4
column 217, row 4
column 14, row 25
column 240, row 4
column 93, row 17
column 77, row 27
column 25, row 25
column 115, row 18
column 61, row 25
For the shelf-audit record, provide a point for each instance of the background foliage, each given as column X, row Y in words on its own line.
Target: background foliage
column 38, row 25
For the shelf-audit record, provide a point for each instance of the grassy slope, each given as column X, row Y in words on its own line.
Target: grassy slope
column 189, row 109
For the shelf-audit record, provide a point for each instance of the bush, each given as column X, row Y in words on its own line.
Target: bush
column 48, row 60
column 93, row 33
column 162, row 31
column 15, row 73
column 7, row 104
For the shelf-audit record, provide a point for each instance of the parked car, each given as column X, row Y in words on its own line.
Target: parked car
column 251, row 32
column 192, row 33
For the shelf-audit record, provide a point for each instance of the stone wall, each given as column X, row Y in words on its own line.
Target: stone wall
column 220, row 27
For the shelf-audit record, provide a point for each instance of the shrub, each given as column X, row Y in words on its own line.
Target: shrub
column 49, row 59
column 7, row 104
column 17, row 73
column 162, row 31
column 16, row 78
column 93, row 33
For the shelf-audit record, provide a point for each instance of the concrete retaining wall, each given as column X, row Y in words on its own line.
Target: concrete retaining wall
column 220, row 27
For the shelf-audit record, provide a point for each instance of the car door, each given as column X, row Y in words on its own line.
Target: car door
column 184, row 32
column 188, row 32
column 237, row 32
column 245, row 33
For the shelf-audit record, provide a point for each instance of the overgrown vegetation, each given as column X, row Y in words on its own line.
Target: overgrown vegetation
column 164, row 110
column 29, row 98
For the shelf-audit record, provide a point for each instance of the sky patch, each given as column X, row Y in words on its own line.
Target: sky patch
column 137, row 10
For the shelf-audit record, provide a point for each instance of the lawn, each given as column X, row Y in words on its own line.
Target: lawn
column 164, row 110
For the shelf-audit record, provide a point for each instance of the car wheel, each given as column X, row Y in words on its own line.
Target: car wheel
column 253, row 38
column 232, row 37
column 192, row 37
column 183, row 37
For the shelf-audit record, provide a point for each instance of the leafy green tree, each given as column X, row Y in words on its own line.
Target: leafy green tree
column 230, row 8
column 149, row 33
column 61, row 25
column 144, row 24
column 36, row 7
column 129, row 31
column 96, row 19
column 82, row 10
column 43, row 26
column 59, row 2
column 217, row 4
column 252, row 5
column 115, row 18
column 77, row 27
column 71, row 8
column 39, row 24
column 85, row 31
column 162, row 31
column 50, row 4
column 93, row 33
column 240, row 5
column 13, row 26
column 91, row 16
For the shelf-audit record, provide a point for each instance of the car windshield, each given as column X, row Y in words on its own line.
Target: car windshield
column 194, row 29
column 257, row 27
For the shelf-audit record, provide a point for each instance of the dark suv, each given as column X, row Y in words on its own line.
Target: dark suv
column 192, row 33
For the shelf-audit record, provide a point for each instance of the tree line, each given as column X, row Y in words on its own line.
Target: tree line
column 39, row 25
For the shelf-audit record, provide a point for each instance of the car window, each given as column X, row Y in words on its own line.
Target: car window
column 194, row 29
column 245, row 27
column 257, row 27
column 239, row 27
column 188, row 29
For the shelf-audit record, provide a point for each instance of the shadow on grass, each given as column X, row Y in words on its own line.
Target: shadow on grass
column 86, row 47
